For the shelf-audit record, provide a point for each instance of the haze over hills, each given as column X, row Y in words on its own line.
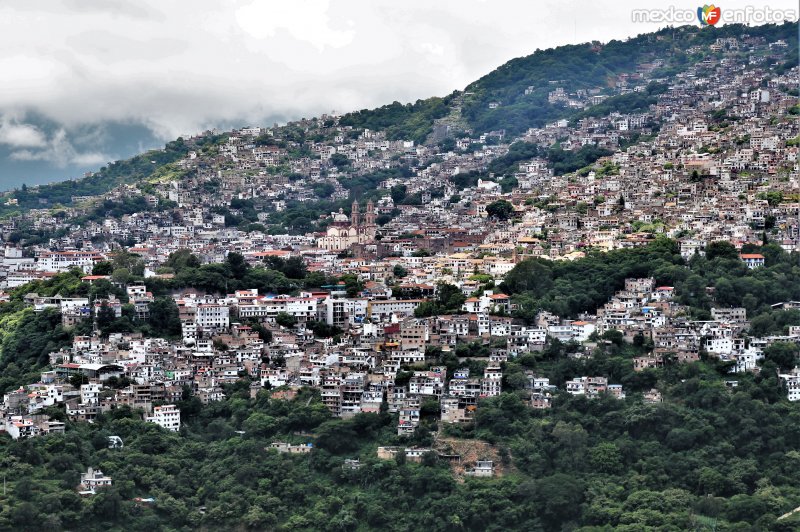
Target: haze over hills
column 41, row 151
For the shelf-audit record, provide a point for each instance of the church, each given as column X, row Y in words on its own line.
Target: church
column 343, row 232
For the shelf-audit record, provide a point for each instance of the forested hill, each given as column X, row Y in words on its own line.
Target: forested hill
column 583, row 66
column 519, row 88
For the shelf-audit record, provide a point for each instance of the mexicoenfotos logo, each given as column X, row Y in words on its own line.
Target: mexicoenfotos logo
column 708, row 15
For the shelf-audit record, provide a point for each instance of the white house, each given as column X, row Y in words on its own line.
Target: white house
column 166, row 416
column 93, row 479
column 753, row 260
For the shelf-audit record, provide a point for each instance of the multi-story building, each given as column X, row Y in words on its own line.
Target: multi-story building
column 166, row 416
column 212, row 317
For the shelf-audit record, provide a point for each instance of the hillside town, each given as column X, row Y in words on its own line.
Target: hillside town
column 714, row 158
column 422, row 266
column 364, row 367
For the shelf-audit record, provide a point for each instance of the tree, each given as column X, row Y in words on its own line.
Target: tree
column 105, row 317
column 614, row 336
column 102, row 268
column 323, row 330
column 260, row 424
column 285, row 319
column 164, row 317
column 721, row 249
column 500, row 210
column 131, row 262
column 25, row 515
column 605, row 457
column 531, row 275
column 182, row 259
column 107, row 503
column 773, row 197
column 712, row 481
column 426, row 309
column 398, row 193
column 399, row 271
column 237, row 265
column 339, row 160
column 293, row 267
column 78, row 380
column 783, row 354
column 560, row 495
column 353, row 284
column 449, row 300
column 323, row 190
column 121, row 276
column 450, row 297
column 219, row 345
column 571, row 437
column 263, row 333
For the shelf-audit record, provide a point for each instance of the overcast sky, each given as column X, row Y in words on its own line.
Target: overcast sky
column 87, row 81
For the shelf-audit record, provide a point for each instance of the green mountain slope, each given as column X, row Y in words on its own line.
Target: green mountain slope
column 580, row 66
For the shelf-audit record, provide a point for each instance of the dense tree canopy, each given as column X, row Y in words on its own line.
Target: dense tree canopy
column 568, row 288
column 499, row 210
column 708, row 453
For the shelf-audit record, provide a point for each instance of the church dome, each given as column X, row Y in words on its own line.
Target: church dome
column 340, row 217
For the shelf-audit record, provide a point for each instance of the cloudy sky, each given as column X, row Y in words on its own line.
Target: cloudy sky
column 88, row 81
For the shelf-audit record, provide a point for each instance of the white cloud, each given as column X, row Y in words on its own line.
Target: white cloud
column 19, row 135
column 60, row 152
column 180, row 70
column 89, row 159
column 305, row 20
